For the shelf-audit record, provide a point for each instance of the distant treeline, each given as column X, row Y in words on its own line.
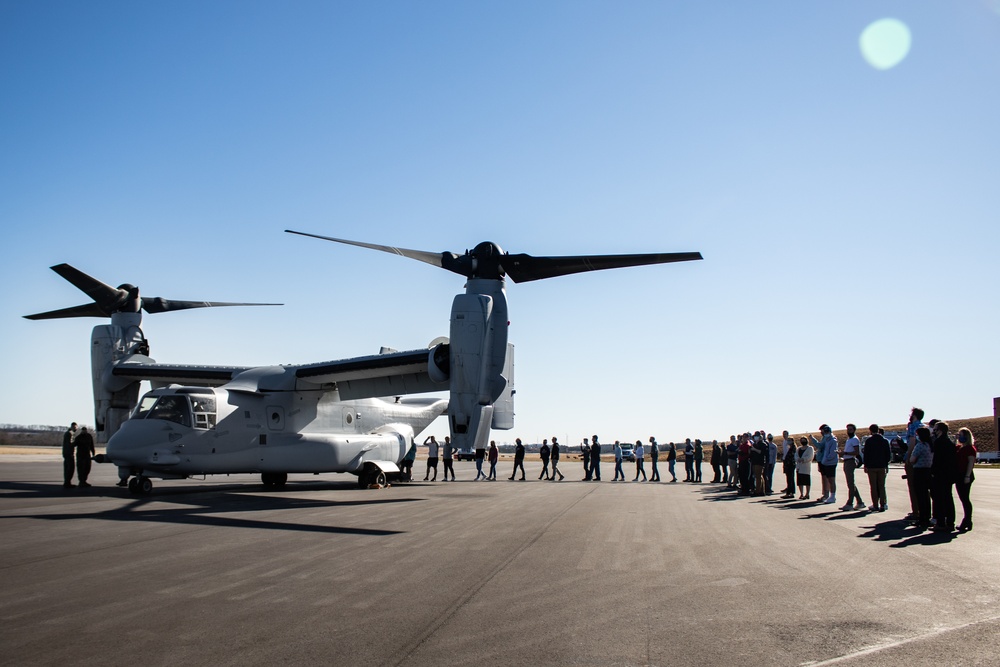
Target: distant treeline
column 36, row 428
column 33, row 435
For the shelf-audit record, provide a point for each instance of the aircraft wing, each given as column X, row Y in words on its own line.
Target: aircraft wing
column 138, row 367
column 393, row 374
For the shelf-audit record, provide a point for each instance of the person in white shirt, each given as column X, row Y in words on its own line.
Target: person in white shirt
column 432, row 457
column 803, row 467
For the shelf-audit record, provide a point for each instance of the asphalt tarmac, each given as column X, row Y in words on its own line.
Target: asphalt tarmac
column 223, row 572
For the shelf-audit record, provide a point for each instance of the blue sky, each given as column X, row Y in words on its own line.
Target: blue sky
column 848, row 215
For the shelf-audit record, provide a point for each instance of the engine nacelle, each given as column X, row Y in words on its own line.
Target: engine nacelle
column 114, row 398
column 478, row 357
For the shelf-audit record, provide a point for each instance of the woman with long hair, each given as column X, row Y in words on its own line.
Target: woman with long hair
column 963, row 482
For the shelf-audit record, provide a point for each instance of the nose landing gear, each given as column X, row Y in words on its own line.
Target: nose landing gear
column 140, row 486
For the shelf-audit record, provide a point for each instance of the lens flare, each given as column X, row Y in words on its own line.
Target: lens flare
column 885, row 43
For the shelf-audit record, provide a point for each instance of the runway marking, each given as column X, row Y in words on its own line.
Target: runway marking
column 902, row 642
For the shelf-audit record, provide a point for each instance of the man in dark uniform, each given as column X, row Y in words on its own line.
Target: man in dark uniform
column 518, row 460
column 585, row 450
column 84, row 450
column 595, row 459
column 543, row 453
column 654, row 457
column 69, row 465
column 555, row 461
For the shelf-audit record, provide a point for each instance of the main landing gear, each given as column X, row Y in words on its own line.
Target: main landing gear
column 274, row 479
column 371, row 476
column 140, row 486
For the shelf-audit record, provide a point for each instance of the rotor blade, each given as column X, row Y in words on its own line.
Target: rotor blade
column 103, row 295
column 86, row 310
column 437, row 259
column 524, row 268
column 153, row 305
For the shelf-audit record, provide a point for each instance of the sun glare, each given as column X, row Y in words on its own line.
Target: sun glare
column 885, row 43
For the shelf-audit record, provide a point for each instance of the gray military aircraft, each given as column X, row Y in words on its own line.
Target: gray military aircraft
column 352, row 416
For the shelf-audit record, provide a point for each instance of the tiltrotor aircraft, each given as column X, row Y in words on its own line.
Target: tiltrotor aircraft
column 351, row 416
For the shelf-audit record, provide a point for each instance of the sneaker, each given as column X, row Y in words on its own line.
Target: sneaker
column 830, row 500
column 860, row 506
column 846, row 507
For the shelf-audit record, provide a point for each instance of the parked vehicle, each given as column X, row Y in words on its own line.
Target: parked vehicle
column 465, row 455
column 628, row 453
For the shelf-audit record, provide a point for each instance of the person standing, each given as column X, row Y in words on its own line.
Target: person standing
column 449, row 459
column 715, row 460
column 878, row 453
column 618, row 462
column 639, row 467
column 688, row 460
column 494, row 456
column 732, row 460
column 743, row 465
column 758, row 460
column 654, row 457
column 84, row 450
column 406, row 465
column 585, row 453
column 944, row 465
column 772, row 460
column 543, row 453
column 69, row 464
column 555, row 461
column 788, row 446
column 919, row 457
column 914, row 422
column 699, row 456
column 518, row 460
column 803, row 467
column 852, row 455
column 788, row 467
column 965, row 461
column 672, row 461
column 595, row 459
column 432, row 457
column 480, row 457
column 827, row 455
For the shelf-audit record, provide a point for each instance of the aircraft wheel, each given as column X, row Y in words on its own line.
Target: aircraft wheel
column 133, row 486
column 378, row 477
column 266, row 479
column 279, row 478
column 145, row 486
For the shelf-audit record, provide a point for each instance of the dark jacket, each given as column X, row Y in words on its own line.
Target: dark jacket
column 519, row 453
column 84, row 444
column 945, row 459
column 877, row 452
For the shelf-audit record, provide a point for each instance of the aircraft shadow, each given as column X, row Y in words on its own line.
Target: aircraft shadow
column 203, row 509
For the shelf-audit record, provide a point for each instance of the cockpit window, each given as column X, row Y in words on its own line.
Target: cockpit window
column 145, row 405
column 173, row 409
column 204, row 411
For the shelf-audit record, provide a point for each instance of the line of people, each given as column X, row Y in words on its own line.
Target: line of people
column 934, row 465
